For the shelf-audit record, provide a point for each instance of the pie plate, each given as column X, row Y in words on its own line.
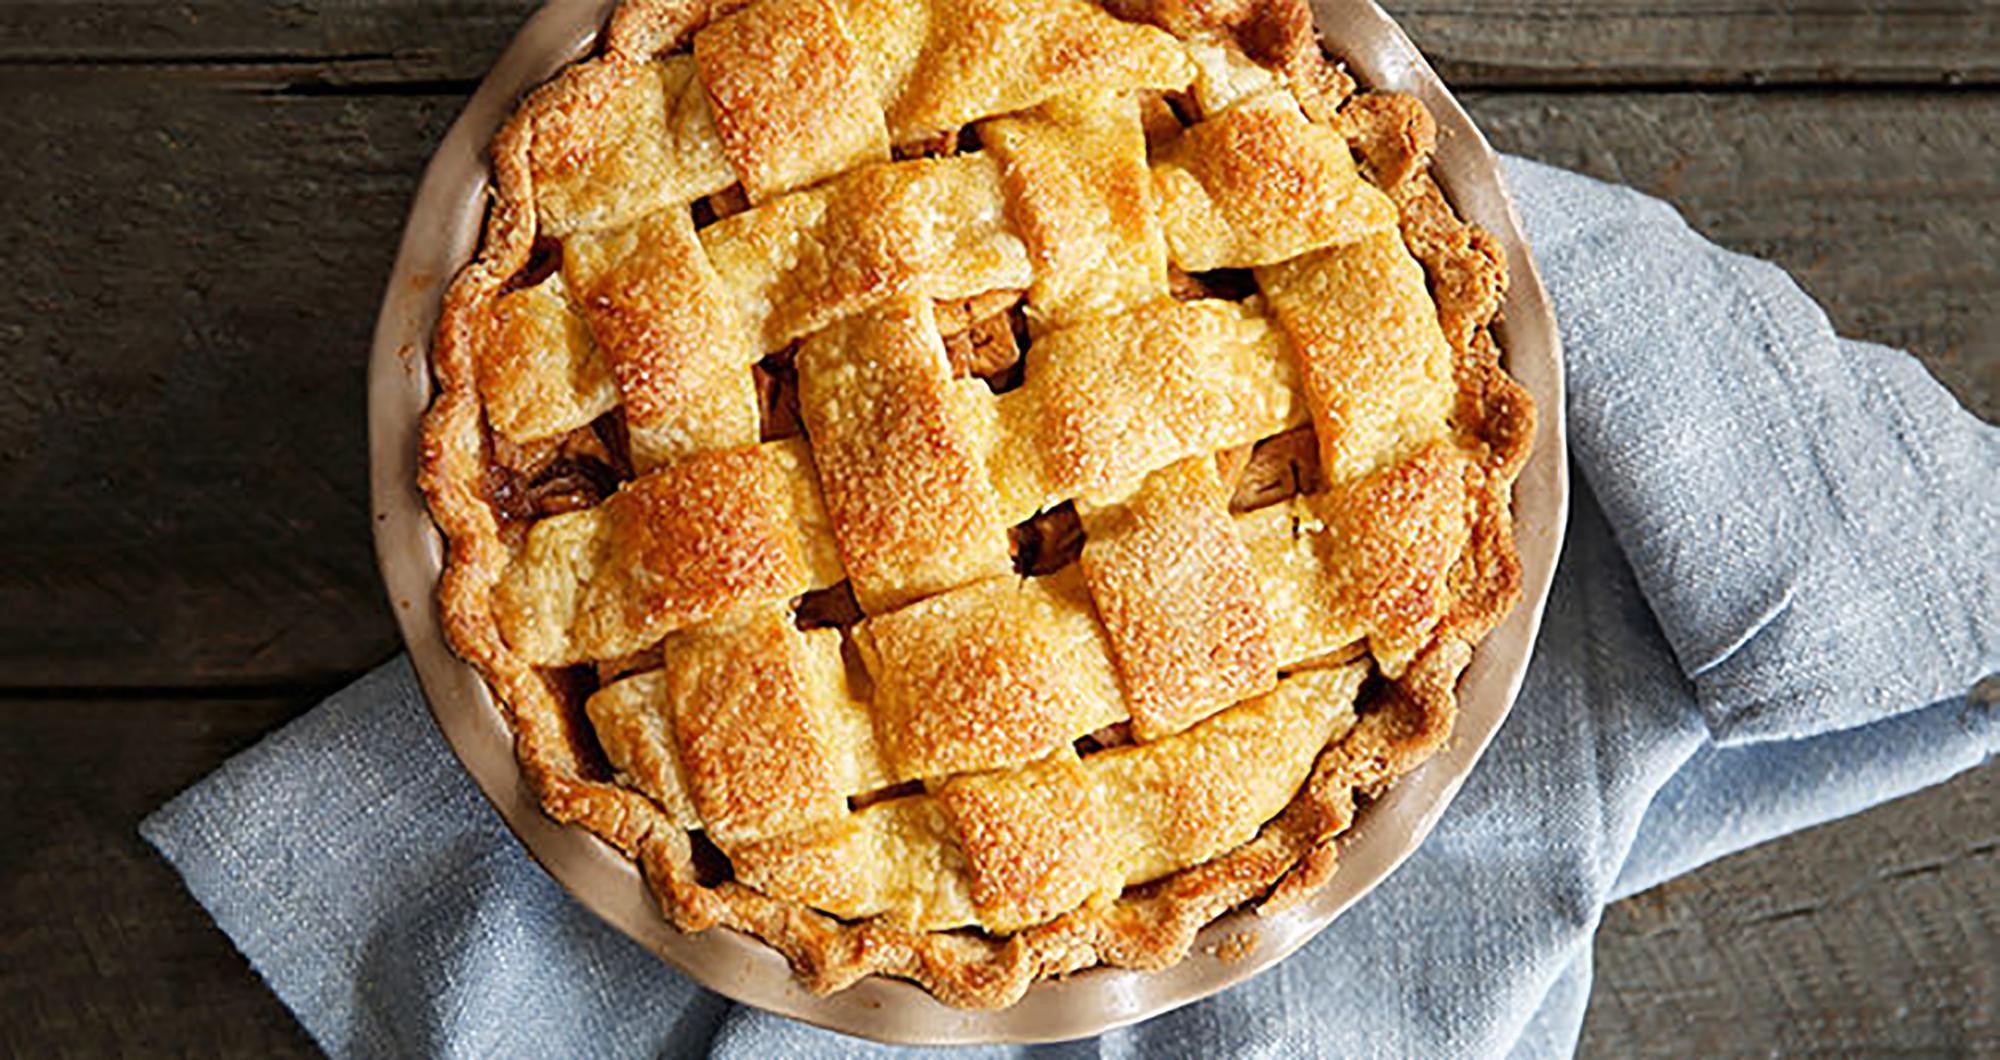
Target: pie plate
column 442, row 233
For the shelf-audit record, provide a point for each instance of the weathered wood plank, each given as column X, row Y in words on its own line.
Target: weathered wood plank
column 1874, row 936
column 196, row 274
column 337, row 42
column 182, row 437
column 1483, row 42
column 1706, row 42
column 102, row 953
column 1886, row 207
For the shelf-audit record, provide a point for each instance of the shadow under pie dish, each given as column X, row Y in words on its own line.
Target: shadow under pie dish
column 971, row 491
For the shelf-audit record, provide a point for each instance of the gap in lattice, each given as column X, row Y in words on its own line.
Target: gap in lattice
column 616, row 439
column 572, row 686
column 528, row 481
column 1159, row 121
column 1117, row 734
column 1276, row 469
column 941, row 144
column 1229, row 285
column 1374, row 693
column 985, row 336
column 1352, row 652
column 544, row 258
column 712, row 867
column 833, row 607
column 712, row 208
column 894, row 791
column 860, row 681
column 1011, row 377
column 777, row 378
column 1048, row 542
column 642, row 661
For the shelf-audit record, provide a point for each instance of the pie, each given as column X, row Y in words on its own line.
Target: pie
column 971, row 490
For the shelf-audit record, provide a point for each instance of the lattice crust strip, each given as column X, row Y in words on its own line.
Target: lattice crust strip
column 1258, row 184
column 1081, row 195
column 788, row 92
column 768, row 778
column 648, row 287
column 685, row 544
column 1007, row 850
column 1178, row 590
column 1063, row 203
column 1211, row 649
column 1009, row 670
column 903, row 451
column 624, row 139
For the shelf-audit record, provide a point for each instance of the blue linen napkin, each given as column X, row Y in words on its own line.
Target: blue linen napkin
column 1780, row 582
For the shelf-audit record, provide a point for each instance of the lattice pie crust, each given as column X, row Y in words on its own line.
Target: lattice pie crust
column 970, row 490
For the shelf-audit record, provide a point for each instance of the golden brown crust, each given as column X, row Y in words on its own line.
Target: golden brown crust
column 1115, row 398
column 1277, row 34
column 926, row 227
column 1449, row 574
column 1077, row 182
column 1377, row 368
column 792, row 100
column 645, row 28
column 1012, row 850
column 1403, row 527
column 543, row 374
column 618, row 139
column 662, row 319
column 1033, row 839
column 690, row 542
column 992, row 674
column 1179, row 598
column 1150, row 927
column 899, row 458
column 1259, row 184
column 977, row 58
column 747, row 730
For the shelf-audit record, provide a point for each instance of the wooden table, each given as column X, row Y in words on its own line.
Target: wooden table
column 203, row 198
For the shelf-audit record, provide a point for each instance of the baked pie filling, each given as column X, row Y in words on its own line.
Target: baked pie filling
column 970, row 490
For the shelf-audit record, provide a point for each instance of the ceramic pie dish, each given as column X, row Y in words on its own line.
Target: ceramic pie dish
column 887, row 781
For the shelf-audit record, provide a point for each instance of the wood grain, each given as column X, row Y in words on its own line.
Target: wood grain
column 1885, row 207
column 1490, row 42
column 346, row 43
column 101, row 950
column 183, row 418
column 1878, row 935
column 1706, row 42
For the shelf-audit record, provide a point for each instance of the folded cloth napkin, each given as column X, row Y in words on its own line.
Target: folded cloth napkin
column 1780, row 584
